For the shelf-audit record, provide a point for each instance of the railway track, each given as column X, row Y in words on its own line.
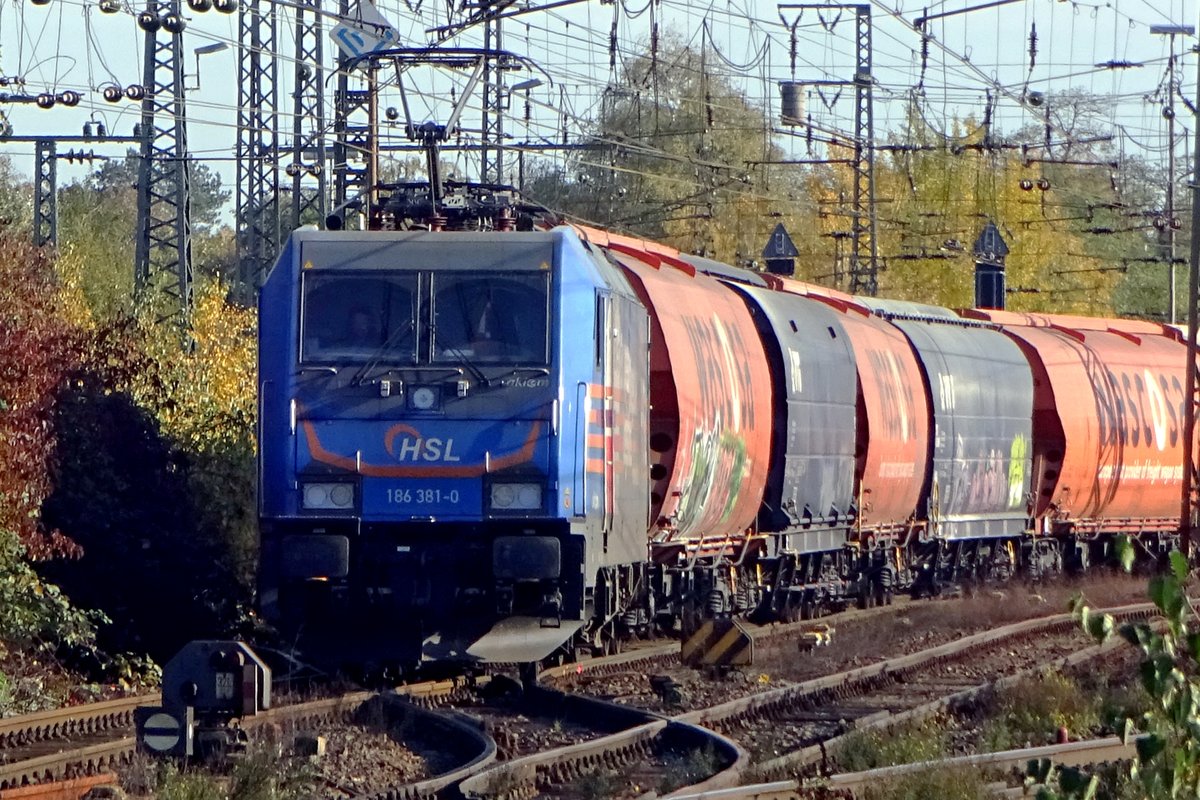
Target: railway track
column 1076, row 754
column 883, row 694
column 640, row 746
column 86, row 740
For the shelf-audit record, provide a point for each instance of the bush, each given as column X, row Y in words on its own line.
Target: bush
column 1168, row 750
column 903, row 744
column 1031, row 712
column 943, row 784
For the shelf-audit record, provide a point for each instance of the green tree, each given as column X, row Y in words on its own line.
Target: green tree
column 677, row 155
column 98, row 225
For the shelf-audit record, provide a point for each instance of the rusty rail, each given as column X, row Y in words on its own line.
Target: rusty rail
column 70, row 721
column 819, row 753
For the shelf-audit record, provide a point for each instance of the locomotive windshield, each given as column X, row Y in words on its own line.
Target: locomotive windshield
column 491, row 317
column 355, row 317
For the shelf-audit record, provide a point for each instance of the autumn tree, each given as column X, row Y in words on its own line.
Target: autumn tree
column 1065, row 224
column 41, row 350
column 98, row 224
column 677, row 154
column 155, row 476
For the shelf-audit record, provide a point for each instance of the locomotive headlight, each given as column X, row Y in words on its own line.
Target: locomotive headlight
column 423, row 398
column 516, row 496
column 327, row 495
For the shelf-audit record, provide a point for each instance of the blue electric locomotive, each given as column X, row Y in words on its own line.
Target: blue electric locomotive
column 440, row 474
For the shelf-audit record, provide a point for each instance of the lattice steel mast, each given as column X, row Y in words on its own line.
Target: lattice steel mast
column 164, row 244
column 491, row 168
column 864, row 253
column 1190, row 516
column 353, row 138
column 45, row 193
column 308, row 122
column 257, row 212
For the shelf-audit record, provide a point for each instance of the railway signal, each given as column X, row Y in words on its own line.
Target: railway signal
column 205, row 686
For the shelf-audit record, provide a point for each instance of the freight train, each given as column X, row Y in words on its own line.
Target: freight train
column 489, row 438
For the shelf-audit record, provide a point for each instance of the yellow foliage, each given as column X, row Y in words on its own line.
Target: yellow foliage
column 932, row 205
column 203, row 388
column 70, row 269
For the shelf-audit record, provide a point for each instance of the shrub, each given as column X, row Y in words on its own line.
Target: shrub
column 903, row 744
column 943, row 784
column 1031, row 712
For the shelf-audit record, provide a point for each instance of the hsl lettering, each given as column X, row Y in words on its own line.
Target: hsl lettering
column 405, row 443
column 431, row 449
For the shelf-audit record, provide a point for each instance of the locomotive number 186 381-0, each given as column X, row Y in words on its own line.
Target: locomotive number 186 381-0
column 422, row 496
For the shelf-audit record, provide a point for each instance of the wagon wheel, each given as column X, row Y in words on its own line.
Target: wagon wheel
column 791, row 608
column 808, row 607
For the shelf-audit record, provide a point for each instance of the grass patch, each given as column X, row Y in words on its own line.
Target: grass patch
column 902, row 744
column 260, row 774
column 689, row 767
column 943, row 784
column 1030, row 712
column 598, row 785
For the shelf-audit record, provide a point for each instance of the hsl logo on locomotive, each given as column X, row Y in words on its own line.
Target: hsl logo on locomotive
column 405, row 443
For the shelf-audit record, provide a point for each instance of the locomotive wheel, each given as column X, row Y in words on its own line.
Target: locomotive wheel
column 808, row 609
column 791, row 609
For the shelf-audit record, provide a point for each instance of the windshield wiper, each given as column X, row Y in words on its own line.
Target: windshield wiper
column 466, row 363
column 378, row 355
